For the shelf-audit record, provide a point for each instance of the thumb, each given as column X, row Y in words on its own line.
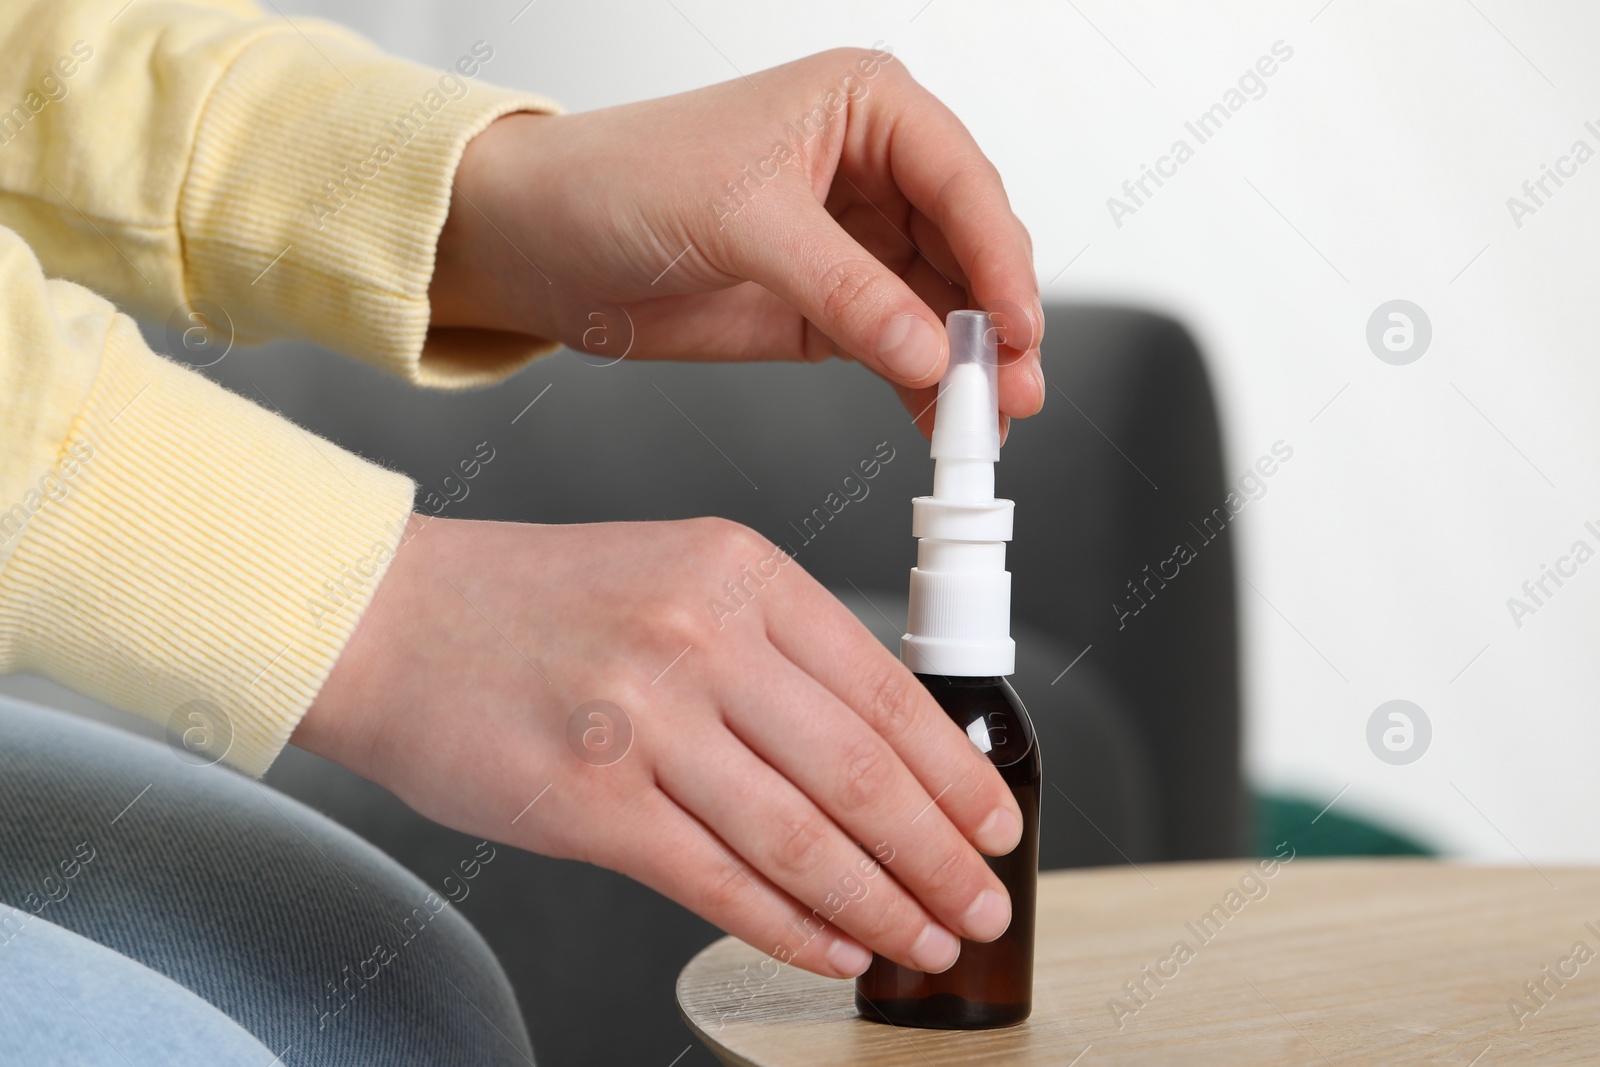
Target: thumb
column 822, row 272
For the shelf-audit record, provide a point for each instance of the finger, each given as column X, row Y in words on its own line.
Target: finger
column 833, row 647
column 1022, row 386
column 909, row 243
column 690, row 864
column 887, row 229
column 777, row 830
column 1021, row 380
column 853, row 775
column 746, row 322
column 935, row 163
column 929, row 267
column 822, row 272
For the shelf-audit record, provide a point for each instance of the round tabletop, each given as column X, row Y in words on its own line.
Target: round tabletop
column 1238, row 962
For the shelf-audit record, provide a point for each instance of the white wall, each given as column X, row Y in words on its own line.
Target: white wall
column 1422, row 497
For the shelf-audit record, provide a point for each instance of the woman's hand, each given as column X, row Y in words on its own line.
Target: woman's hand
column 754, row 763
column 830, row 206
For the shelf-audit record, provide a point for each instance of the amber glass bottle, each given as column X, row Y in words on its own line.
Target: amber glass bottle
column 991, row 983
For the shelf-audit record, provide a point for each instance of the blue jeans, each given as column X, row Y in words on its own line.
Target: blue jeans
column 156, row 911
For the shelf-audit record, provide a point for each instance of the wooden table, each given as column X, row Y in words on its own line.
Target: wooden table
column 1325, row 961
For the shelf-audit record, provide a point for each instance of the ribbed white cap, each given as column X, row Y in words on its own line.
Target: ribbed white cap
column 959, row 621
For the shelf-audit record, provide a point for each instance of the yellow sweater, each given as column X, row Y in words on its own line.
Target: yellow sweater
column 164, row 541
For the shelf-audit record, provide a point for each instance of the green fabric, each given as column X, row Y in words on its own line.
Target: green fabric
column 1285, row 818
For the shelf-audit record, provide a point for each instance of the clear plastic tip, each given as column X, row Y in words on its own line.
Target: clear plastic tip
column 966, row 422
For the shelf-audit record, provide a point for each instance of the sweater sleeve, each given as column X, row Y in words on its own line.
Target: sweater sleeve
column 166, row 546
column 285, row 176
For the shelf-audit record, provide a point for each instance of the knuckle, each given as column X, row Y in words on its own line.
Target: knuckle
column 893, row 922
column 800, row 841
column 851, row 59
column 867, row 774
column 731, row 540
column 966, row 185
column 980, row 780
column 887, row 64
column 725, row 890
column 848, row 53
column 850, row 289
column 892, row 707
column 950, row 870
column 672, row 620
column 895, row 919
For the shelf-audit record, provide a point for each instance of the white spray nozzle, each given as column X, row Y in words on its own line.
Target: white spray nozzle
column 960, row 608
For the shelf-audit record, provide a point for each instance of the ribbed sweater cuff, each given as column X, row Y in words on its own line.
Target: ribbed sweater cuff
column 194, row 547
column 320, row 182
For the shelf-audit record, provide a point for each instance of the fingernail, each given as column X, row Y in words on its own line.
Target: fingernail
column 988, row 917
column 848, row 958
column 999, row 833
column 936, row 950
column 909, row 347
column 1038, row 379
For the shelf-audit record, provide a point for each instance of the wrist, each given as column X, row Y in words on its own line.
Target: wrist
column 341, row 722
column 484, row 273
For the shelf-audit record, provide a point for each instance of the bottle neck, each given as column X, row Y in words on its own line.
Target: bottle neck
column 972, row 681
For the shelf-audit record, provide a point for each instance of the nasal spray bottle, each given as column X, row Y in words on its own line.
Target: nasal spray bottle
column 959, row 645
